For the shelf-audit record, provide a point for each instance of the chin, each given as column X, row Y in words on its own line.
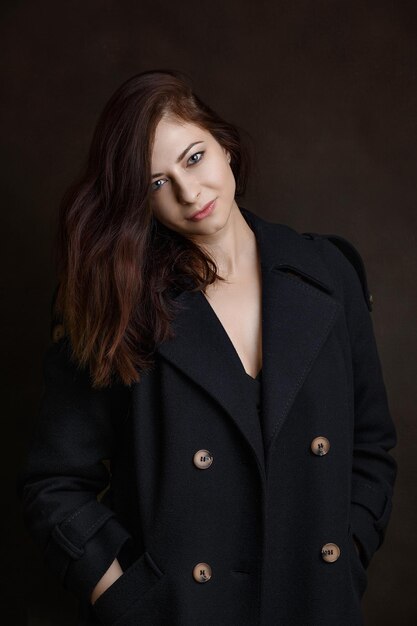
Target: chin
column 210, row 224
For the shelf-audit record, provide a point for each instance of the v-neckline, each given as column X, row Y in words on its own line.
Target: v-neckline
column 229, row 341
column 257, row 377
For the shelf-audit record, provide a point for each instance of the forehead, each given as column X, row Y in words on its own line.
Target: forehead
column 171, row 136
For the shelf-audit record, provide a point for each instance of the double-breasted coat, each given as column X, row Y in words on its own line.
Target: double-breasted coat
column 217, row 517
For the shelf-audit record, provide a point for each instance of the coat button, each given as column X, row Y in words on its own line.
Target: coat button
column 58, row 332
column 202, row 572
column 320, row 446
column 202, row 459
column 330, row 552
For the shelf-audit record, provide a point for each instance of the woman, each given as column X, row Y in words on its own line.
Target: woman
column 213, row 440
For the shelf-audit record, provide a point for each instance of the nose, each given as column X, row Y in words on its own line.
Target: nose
column 188, row 190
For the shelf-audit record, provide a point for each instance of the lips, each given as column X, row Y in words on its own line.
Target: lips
column 202, row 210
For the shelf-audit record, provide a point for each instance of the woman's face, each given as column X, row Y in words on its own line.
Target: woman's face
column 186, row 177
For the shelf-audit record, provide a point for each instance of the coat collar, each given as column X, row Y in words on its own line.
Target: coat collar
column 297, row 316
column 281, row 247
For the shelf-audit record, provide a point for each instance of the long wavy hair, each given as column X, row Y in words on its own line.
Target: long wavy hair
column 119, row 268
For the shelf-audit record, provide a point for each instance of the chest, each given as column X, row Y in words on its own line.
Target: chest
column 238, row 308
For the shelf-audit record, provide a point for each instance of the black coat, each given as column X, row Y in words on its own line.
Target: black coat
column 214, row 521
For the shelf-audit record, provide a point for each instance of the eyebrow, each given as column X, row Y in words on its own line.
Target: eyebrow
column 181, row 156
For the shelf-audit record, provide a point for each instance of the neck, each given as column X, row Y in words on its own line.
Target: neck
column 234, row 248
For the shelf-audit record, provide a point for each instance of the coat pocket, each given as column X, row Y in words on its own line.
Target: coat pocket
column 358, row 572
column 128, row 589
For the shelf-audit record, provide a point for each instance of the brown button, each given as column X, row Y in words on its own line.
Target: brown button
column 202, row 459
column 320, row 445
column 58, row 332
column 330, row 552
column 202, row 572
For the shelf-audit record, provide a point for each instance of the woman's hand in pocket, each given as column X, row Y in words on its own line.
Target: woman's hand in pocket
column 111, row 575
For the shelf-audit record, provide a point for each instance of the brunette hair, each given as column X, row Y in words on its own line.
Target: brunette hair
column 119, row 268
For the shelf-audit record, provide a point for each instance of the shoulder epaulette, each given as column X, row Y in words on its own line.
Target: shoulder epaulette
column 352, row 254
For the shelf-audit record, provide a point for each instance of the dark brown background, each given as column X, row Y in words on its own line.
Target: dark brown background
column 328, row 91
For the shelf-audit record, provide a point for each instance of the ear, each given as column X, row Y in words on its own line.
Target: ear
column 227, row 153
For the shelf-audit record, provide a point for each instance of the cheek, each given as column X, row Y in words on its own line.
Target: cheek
column 166, row 213
column 220, row 176
column 229, row 182
column 160, row 212
column 165, row 216
column 161, row 203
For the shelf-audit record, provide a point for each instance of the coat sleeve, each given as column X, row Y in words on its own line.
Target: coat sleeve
column 374, row 469
column 64, row 472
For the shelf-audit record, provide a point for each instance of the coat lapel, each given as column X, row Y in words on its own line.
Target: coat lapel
column 203, row 351
column 296, row 319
